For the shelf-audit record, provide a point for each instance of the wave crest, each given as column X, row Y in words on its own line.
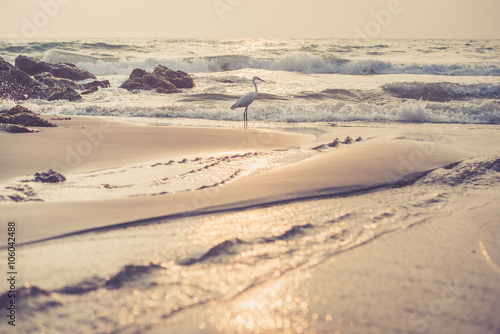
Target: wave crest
column 443, row 91
column 303, row 62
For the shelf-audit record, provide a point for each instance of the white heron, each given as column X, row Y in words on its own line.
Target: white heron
column 246, row 100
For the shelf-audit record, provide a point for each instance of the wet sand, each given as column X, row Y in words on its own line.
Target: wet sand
column 84, row 144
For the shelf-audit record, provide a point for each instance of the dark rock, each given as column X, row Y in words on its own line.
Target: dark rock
column 22, row 116
column 180, row 79
column 4, row 118
column 34, row 66
column 96, row 83
column 18, row 85
column 50, row 80
column 16, row 82
column 143, row 80
column 5, row 65
column 49, row 176
column 137, row 73
column 359, row 139
column 134, row 84
column 319, row 147
column 65, row 94
column 16, row 198
column 348, row 140
column 163, row 80
column 334, row 143
column 27, row 119
column 7, row 93
column 18, row 110
column 13, row 128
column 90, row 90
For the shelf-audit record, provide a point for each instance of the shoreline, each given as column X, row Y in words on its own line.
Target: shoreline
column 90, row 143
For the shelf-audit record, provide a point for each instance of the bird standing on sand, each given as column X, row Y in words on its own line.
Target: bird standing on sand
column 246, row 100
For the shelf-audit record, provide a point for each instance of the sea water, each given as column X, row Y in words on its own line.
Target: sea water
column 307, row 80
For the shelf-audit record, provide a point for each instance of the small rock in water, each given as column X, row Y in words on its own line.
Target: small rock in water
column 163, row 80
column 65, row 94
column 179, row 78
column 92, row 89
column 50, row 80
column 97, row 83
column 49, row 176
column 359, row 139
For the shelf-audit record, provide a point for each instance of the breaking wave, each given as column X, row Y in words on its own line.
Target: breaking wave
column 443, row 91
column 303, row 62
column 463, row 112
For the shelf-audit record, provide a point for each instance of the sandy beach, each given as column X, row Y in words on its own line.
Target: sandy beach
column 250, row 167
column 83, row 145
column 424, row 257
column 435, row 278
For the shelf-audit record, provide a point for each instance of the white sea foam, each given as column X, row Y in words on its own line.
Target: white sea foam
column 310, row 81
column 476, row 112
column 445, row 90
column 303, row 62
column 56, row 56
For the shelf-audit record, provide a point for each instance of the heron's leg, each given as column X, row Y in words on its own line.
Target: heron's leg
column 245, row 118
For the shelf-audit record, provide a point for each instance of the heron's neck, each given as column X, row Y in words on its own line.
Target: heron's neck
column 255, row 84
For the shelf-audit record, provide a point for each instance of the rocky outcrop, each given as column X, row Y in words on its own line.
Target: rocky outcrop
column 22, row 116
column 142, row 80
column 7, row 93
column 50, row 80
column 163, row 80
column 34, row 66
column 49, row 176
column 13, row 128
column 90, row 90
column 93, row 86
column 16, row 84
column 6, row 66
column 65, row 94
column 180, row 79
column 57, row 81
column 96, row 83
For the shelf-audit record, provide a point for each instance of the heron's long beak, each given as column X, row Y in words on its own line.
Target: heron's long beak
column 260, row 79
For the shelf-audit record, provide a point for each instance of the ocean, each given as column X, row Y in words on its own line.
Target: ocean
column 247, row 269
column 307, row 80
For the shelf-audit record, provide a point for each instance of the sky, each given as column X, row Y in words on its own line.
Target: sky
column 467, row 19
